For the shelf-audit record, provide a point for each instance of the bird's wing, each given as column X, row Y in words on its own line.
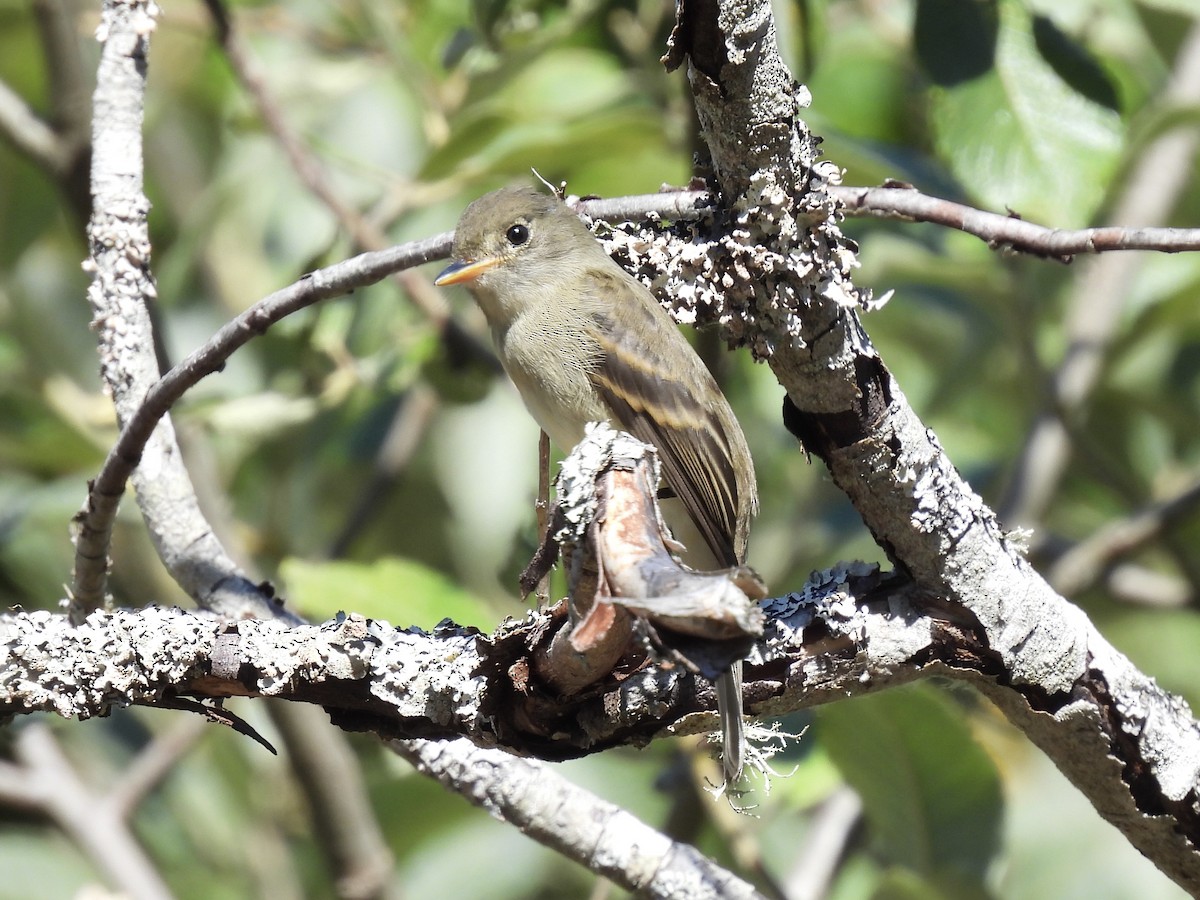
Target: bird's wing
column 651, row 388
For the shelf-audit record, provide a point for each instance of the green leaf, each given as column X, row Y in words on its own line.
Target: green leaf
column 860, row 89
column 1022, row 138
column 1073, row 63
column 930, row 792
column 564, row 83
column 399, row 590
column 571, row 104
column 955, row 40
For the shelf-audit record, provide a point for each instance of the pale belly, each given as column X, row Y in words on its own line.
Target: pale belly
column 553, row 383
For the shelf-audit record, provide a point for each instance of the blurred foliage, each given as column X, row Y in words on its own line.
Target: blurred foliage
column 412, row 110
column 929, row 791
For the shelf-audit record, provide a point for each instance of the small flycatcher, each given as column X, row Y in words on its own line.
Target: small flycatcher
column 584, row 341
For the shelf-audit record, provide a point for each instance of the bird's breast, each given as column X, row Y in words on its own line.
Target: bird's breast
column 548, row 359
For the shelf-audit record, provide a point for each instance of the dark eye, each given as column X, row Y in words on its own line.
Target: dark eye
column 517, row 235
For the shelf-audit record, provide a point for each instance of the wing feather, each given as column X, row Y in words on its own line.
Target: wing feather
column 652, row 390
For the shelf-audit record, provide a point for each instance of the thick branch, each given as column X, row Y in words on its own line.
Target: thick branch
column 846, row 633
column 1059, row 675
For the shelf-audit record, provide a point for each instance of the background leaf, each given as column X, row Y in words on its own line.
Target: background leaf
column 400, row 591
column 930, row 792
column 1021, row 138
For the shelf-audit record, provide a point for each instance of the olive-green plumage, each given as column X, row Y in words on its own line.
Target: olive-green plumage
column 584, row 341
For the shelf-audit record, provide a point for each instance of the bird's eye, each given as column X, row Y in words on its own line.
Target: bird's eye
column 517, row 234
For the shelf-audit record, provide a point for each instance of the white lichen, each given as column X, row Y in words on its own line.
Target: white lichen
column 754, row 269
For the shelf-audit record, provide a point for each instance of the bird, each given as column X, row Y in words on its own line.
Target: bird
column 584, row 341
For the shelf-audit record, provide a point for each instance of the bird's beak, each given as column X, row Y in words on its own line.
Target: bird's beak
column 465, row 270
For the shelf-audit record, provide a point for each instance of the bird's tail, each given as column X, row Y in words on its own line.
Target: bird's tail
column 729, row 710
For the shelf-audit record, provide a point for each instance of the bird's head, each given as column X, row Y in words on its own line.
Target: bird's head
column 515, row 238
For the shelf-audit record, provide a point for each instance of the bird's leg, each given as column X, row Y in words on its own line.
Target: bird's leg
column 543, row 517
column 537, row 572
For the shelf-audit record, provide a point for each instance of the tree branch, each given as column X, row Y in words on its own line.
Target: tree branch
column 94, row 824
column 121, row 290
column 149, row 416
column 342, row 817
column 902, row 201
column 364, row 234
column 69, row 98
column 595, row 833
column 1082, row 565
column 28, row 133
column 58, row 147
column 815, row 866
column 1060, row 677
column 848, row 632
column 153, row 764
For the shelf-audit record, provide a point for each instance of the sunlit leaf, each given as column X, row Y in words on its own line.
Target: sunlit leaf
column 400, row 591
column 1021, row 138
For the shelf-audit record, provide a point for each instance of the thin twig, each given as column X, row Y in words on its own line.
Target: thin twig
column 668, row 205
column 95, row 522
column 153, row 764
column 825, row 843
column 1085, row 563
column 86, row 818
column 363, row 233
column 28, row 133
column 1139, row 586
column 901, row 201
column 905, row 202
